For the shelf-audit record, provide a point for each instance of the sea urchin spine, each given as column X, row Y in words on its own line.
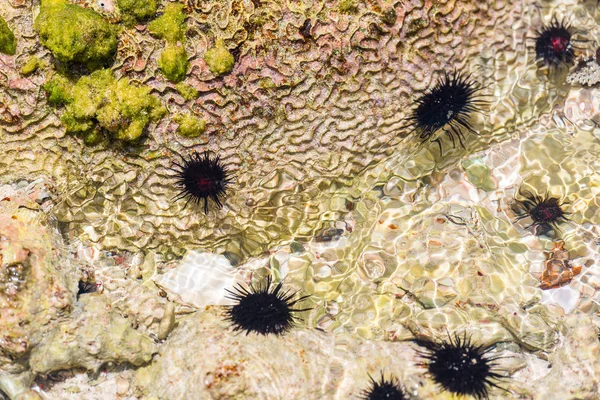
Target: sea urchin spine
column 447, row 106
column 200, row 178
column 263, row 310
column 460, row 367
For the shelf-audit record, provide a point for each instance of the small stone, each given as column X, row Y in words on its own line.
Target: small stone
column 168, row 322
column 29, row 395
column 122, row 386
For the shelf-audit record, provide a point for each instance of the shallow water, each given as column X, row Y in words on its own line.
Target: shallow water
column 332, row 192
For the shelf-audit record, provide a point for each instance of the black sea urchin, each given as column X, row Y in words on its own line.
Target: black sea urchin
column 543, row 211
column 554, row 44
column 263, row 310
column 447, row 106
column 460, row 367
column 384, row 390
column 200, row 178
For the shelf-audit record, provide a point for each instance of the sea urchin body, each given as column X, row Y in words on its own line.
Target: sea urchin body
column 447, row 106
column 200, row 178
column 554, row 44
column 460, row 367
column 543, row 211
column 263, row 310
column 384, row 389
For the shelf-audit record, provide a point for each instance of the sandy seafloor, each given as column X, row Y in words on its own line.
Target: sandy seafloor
column 331, row 193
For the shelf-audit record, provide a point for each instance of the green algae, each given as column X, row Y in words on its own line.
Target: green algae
column 173, row 62
column 75, row 34
column 171, row 25
column 348, row 6
column 8, row 42
column 190, row 125
column 32, row 65
column 133, row 11
column 186, row 91
column 59, row 90
column 219, row 60
column 100, row 103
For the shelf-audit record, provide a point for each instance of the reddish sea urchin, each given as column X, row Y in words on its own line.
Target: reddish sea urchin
column 263, row 310
column 460, row 367
column 554, row 44
column 384, row 389
column 545, row 212
column 447, row 106
column 200, row 178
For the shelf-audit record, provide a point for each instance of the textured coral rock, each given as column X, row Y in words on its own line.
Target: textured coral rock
column 315, row 99
column 312, row 365
column 35, row 286
column 241, row 366
column 93, row 336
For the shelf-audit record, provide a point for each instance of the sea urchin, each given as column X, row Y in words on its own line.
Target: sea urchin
column 263, row 310
column 384, row 390
column 200, row 178
column 554, row 44
column 543, row 211
column 460, row 367
column 447, row 106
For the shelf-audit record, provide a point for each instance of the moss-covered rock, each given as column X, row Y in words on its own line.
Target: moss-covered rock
column 75, row 34
column 173, row 62
column 101, row 102
column 186, row 91
column 220, row 61
column 171, row 25
column 8, row 43
column 190, row 125
column 133, row 11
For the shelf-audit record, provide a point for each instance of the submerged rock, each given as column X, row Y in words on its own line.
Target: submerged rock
column 93, row 336
column 36, row 287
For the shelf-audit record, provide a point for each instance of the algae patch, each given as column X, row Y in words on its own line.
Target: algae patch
column 133, row 11
column 190, row 125
column 186, row 91
column 75, row 34
column 100, row 103
column 8, row 43
column 173, row 62
column 219, row 60
column 32, row 65
column 171, row 27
